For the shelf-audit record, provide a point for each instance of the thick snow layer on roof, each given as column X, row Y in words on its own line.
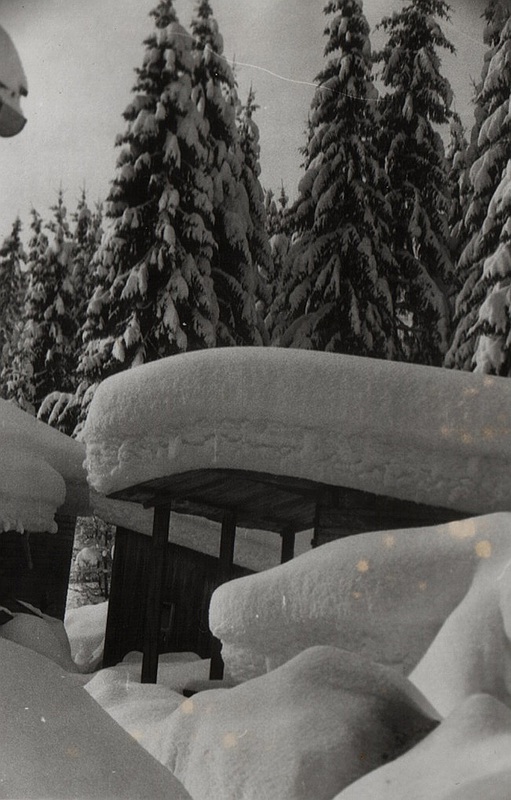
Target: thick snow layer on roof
column 19, row 430
column 58, row 743
column 256, row 550
column 305, row 730
column 417, row 433
column 465, row 758
column 385, row 595
column 31, row 491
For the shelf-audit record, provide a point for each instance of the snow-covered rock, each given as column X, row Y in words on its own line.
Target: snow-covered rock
column 304, row 731
column 385, row 595
column 466, row 758
column 31, row 491
column 58, row 743
column 417, row 433
column 85, row 627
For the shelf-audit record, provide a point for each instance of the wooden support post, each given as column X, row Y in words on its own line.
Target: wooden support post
column 161, row 522
column 288, row 546
column 226, row 560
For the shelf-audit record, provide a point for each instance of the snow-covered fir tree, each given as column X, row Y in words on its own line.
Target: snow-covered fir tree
column 87, row 233
column 154, row 293
column 258, row 238
column 233, row 270
column 12, row 287
column 487, row 160
column 279, row 227
column 42, row 359
column 335, row 292
column 416, row 102
column 61, row 409
column 457, row 154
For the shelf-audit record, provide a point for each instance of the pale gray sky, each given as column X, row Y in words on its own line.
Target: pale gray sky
column 79, row 57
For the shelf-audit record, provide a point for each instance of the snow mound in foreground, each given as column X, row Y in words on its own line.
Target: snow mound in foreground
column 304, row 731
column 58, row 743
column 384, row 595
column 430, row 435
column 466, row 758
column 31, row 491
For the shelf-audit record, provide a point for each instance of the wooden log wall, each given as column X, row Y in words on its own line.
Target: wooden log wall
column 190, row 579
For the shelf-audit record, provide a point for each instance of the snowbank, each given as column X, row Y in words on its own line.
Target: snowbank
column 417, row 433
column 58, row 743
column 466, row 758
column 140, row 708
column 20, row 431
column 31, row 491
column 385, row 595
column 304, row 731
column 85, row 627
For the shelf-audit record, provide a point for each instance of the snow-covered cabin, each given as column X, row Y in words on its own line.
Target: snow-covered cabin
column 284, row 441
column 42, row 491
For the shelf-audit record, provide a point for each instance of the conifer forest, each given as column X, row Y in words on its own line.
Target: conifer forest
column 396, row 244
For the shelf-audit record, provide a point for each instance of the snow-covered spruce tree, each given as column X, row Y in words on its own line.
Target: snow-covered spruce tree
column 154, row 294
column 258, row 238
column 279, row 227
column 417, row 101
column 12, row 287
column 488, row 155
column 42, row 359
column 335, row 290
column 61, row 409
column 457, row 154
column 233, row 270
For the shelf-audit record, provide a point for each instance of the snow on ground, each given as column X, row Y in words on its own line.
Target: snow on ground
column 466, row 758
column 85, row 627
column 327, row 721
column 58, row 743
column 303, row 731
column 31, row 491
column 417, row 433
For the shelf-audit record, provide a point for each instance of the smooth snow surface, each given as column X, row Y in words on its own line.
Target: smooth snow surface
column 304, row 731
column 85, row 627
column 140, row 708
column 20, row 431
column 42, row 634
column 58, row 743
column 430, row 435
column 466, row 758
column 385, row 595
column 31, row 491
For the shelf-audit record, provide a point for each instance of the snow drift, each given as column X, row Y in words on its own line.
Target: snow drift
column 385, row 595
column 303, row 731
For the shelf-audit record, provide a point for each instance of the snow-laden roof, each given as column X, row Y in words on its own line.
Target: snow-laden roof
column 21, row 431
column 13, row 84
column 31, row 491
column 417, row 433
